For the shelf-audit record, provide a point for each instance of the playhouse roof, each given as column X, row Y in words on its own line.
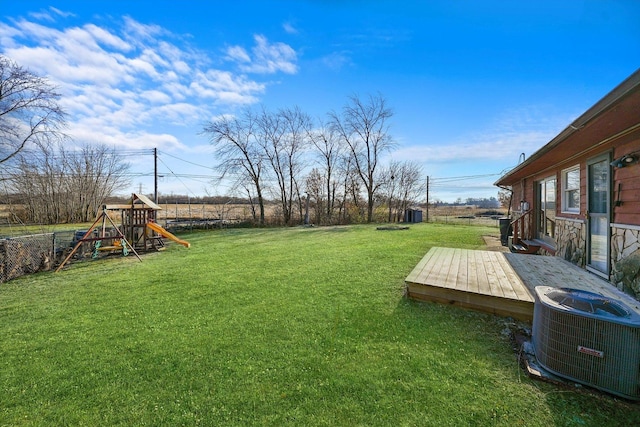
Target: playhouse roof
column 137, row 201
column 144, row 200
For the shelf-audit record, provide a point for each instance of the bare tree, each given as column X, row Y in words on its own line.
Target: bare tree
column 297, row 124
column 283, row 136
column 402, row 186
column 29, row 110
column 34, row 178
column 351, row 194
column 241, row 157
column 504, row 198
column 270, row 129
column 315, row 189
column 329, row 150
column 363, row 126
column 246, row 187
column 59, row 185
column 92, row 173
column 389, row 185
column 410, row 186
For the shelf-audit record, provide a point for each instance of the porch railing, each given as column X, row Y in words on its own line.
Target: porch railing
column 523, row 227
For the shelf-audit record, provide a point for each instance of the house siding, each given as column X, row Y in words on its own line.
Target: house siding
column 626, row 183
column 625, row 228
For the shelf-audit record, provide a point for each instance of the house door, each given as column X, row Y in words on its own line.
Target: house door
column 598, row 202
column 546, row 211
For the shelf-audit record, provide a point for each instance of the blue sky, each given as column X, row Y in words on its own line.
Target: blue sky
column 473, row 84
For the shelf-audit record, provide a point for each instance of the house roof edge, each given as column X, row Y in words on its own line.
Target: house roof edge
column 629, row 84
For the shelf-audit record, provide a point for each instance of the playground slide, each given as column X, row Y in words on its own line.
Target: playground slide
column 164, row 233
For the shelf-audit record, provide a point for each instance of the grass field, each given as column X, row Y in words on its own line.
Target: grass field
column 287, row 326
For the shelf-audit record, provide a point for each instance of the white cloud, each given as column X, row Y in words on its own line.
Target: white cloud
column 60, row 12
column 225, row 87
column 289, row 28
column 133, row 139
column 516, row 131
column 266, row 58
column 48, row 15
column 23, row 29
column 106, row 38
column 336, row 60
column 500, row 146
column 156, row 96
column 271, row 58
column 8, row 35
column 238, row 54
column 134, row 85
column 42, row 16
column 140, row 33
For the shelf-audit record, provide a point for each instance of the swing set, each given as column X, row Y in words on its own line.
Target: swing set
column 138, row 231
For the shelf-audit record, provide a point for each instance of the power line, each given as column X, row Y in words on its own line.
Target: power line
column 78, row 153
column 186, row 161
column 463, row 178
column 172, row 173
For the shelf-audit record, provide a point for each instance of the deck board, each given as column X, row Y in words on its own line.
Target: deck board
column 417, row 271
column 484, row 285
column 472, row 271
column 496, row 282
column 463, row 270
column 452, row 276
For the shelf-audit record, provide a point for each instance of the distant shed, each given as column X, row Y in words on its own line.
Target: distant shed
column 413, row 216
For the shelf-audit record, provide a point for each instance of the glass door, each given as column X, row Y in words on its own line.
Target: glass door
column 598, row 195
column 546, row 212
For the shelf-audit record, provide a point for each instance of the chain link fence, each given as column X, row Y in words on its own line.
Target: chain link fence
column 33, row 253
column 25, row 255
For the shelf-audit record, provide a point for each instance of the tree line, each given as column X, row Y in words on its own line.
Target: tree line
column 332, row 166
column 326, row 171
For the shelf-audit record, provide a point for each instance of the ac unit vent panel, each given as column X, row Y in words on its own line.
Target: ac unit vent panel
column 589, row 339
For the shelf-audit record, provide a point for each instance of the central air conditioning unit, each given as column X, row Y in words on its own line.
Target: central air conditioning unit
column 588, row 338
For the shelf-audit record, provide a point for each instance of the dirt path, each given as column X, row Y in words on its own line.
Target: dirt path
column 493, row 244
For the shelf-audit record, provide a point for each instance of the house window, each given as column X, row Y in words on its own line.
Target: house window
column 571, row 190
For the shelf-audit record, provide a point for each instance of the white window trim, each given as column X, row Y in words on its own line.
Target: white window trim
column 563, row 196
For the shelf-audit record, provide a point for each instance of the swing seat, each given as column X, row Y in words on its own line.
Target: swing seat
column 110, row 248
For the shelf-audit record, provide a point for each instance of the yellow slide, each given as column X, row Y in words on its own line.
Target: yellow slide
column 164, row 233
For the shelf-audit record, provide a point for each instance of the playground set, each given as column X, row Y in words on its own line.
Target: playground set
column 138, row 231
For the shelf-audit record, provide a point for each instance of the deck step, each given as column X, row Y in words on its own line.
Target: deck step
column 529, row 247
column 532, row 244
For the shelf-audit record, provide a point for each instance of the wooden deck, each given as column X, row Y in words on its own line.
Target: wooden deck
column 496, row 282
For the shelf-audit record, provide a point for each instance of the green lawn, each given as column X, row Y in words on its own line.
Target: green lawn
column 295, row 326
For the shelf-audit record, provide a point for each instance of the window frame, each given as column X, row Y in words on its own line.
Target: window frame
column 565, row 190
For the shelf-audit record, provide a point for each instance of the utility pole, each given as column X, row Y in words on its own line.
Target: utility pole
column 427, row 215
column 155, row 176
column 306, row 211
